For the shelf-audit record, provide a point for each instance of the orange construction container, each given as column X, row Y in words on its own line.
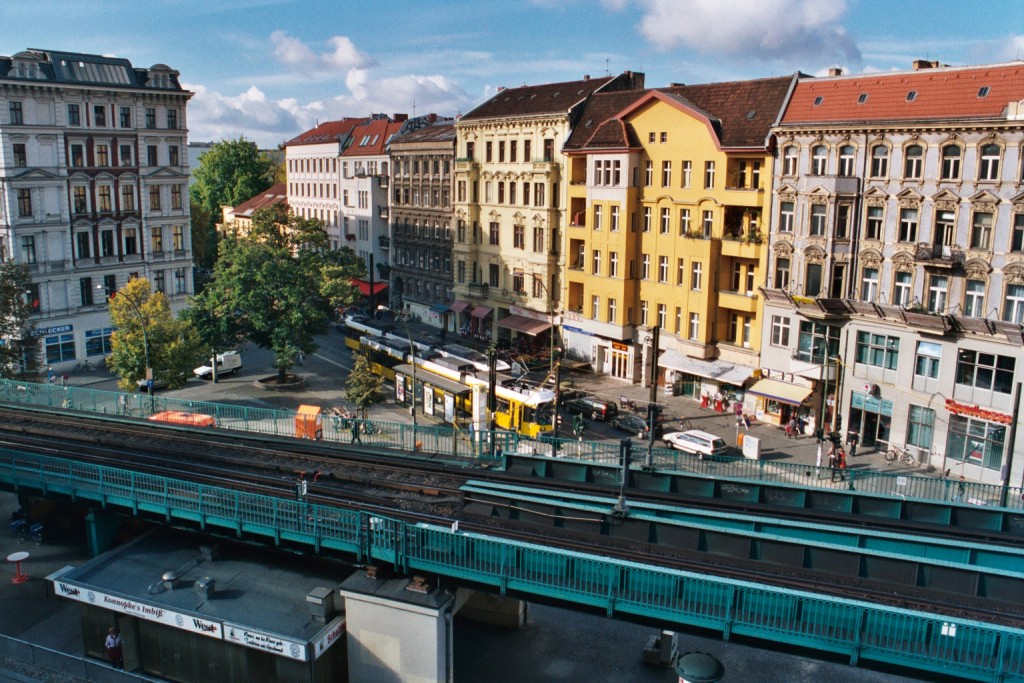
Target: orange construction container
column 309, row 423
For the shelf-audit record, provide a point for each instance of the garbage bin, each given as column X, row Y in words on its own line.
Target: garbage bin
column 309, row 423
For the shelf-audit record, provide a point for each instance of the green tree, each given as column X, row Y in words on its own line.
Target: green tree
column 145, row 326
column 232, row 172
column 277, row 285
column 364, row 387
column 19, row 349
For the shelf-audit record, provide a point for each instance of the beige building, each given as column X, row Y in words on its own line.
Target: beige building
column 509, row 207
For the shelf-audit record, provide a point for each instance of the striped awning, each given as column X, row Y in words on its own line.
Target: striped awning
column 459, row 306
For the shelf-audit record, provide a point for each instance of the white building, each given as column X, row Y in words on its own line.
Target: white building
column 93, row 189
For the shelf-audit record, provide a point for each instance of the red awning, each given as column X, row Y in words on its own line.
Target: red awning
column 459, row 306
column 364, row 286
column 481, row 312
column 523, row 324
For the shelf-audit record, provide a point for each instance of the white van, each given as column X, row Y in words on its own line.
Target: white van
column 697, row 442
column 228, row 363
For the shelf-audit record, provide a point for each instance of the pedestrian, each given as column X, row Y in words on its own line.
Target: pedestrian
column 302, row 358
column 960, row 488
column 817, row 462
column 64, row 379
column 791, row 428
column 832, row 456
column 115, row 648
column 355, row 432
column 123, row 400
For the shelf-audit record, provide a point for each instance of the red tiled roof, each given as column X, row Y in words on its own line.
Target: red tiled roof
column 941, row 93
column 331, row 131
column 370, row 138
column 530, row 100
column 740, row 113
column 276, row 194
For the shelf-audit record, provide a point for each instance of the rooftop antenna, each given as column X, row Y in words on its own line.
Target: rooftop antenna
column 414, row 107
column 606, row 71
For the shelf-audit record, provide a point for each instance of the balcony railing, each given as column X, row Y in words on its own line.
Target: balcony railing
column 385, row 242
column 478, row 288
column 939, row 254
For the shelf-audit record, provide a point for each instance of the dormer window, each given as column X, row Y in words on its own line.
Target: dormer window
column 911, row 96
column 863, row 98
column 751, row 114
column 818, row 100
column 983, row 91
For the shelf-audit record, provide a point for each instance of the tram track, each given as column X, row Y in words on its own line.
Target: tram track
column 414, row 491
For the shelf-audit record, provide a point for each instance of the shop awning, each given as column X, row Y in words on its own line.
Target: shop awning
column 481, row 312
column 364, row 286
column 433, row 379
column 439, row 308
column 784, row 392
column 459, row 306
column 520, row 323
column 718, row 370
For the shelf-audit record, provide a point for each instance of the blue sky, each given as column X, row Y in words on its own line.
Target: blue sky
column 269, row 69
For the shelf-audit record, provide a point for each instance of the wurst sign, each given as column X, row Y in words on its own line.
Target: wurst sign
column 958, row 408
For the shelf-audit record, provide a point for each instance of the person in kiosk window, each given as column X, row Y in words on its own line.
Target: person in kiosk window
column 115, row 648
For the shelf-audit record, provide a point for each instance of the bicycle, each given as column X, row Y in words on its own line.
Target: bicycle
column 84, row 366
column 904, row 456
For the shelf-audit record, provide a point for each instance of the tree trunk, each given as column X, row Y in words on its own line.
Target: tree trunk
column 282, row 375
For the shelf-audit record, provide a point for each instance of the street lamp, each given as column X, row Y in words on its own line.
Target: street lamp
column 412, row 353
column 145, row 340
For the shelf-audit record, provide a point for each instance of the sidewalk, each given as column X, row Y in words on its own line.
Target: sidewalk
column 802, row 450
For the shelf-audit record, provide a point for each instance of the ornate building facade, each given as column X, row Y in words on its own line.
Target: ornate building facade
column 897, row 264
column 93, row 190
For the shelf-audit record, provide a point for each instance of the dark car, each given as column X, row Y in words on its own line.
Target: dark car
column 594, row 408
column 635, row 424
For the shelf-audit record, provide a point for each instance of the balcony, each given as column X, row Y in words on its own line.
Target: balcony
column 738, row 301
column 478, row 288
column 385, row 241
column 382, row 212
column 939, row 256
column 742, row 247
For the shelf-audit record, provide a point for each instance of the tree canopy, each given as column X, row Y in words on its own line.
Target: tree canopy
column 173, row 346
column 364, row 387
column 232, row 172
column 19, row 349
column 277, row 285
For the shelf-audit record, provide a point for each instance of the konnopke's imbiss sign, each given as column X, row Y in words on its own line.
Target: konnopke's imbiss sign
column 211, row 629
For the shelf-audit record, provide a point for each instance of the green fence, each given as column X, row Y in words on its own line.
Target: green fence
column 861, row 631
column 402, row 439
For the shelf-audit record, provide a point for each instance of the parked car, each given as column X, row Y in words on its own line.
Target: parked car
column 629, row 422
column 701, row 444
column 228, row 363
column 591, row 407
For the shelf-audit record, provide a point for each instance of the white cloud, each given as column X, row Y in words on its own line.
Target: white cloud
column 776, row 30
column 215, row 116
column 295, row 54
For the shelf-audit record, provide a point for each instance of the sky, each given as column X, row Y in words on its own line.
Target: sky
column 271, row 69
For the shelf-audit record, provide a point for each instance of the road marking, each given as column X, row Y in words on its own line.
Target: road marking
column 332, row 362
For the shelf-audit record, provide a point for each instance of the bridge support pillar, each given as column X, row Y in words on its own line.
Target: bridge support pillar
column 488, row 608
column 100, row 530
column 398, row 629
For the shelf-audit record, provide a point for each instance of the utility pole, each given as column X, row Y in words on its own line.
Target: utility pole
column 558, row 394
column 625, row 450
column 492, row 380
column 652, row 406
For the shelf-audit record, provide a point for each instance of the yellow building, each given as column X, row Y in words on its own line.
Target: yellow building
column 665, row 229
column 509, row 208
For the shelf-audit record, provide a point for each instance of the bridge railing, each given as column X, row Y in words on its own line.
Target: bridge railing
column 398, row 437
column 859, row 630
column 401, row 438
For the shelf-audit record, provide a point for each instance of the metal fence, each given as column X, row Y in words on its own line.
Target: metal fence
column 401, row 439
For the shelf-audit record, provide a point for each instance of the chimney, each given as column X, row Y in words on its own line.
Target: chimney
column 320, row 603
column 205, row 587
column 920, row 64
column 835, row 71
column 399, row 118
column 586, row 77
column 501, row 88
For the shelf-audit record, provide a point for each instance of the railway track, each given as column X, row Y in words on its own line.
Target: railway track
column 413, row 491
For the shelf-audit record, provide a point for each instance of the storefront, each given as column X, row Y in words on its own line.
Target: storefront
column 870, row 420
column 620, row 362
column 976, row 437
column 777, row 402
column 694, row 378
column 479, row 326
